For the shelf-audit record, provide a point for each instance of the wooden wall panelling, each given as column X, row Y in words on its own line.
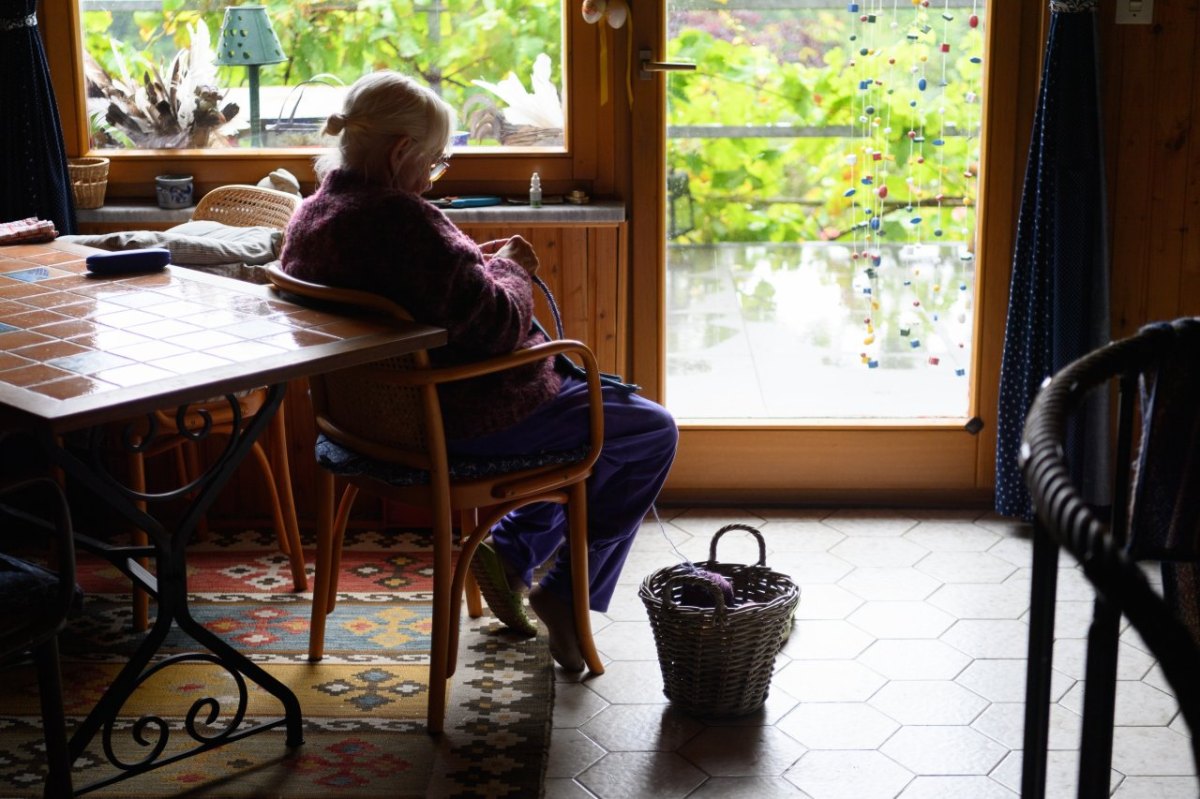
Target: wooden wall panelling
column 1189, row 281
column 1128, row 71
column 1150, row 94
column 1172, row 105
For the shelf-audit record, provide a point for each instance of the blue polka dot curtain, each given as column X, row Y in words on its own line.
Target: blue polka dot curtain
column 33, row 161
column 1058, row 300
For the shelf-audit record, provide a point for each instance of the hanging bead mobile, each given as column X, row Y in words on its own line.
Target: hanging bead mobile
column 904, row 66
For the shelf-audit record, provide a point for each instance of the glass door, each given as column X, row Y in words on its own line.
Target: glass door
column 822, row 175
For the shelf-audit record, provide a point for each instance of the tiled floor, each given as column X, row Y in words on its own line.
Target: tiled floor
column 903, row 677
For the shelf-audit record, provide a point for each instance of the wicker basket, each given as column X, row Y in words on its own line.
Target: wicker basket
column 718, row 661
column 89, row 179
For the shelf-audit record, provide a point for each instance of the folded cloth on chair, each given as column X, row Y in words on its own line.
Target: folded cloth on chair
column 202, row 243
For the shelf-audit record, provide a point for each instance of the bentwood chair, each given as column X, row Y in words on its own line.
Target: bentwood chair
column 237, row 206
column 1155, row 515
column 34, row 603
column 380, row 430
column 247, row 206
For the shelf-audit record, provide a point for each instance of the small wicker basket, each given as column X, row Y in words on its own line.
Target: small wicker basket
column 718, row 661
column 89, row 179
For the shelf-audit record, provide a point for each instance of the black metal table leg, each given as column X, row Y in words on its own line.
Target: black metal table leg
column 169, row 585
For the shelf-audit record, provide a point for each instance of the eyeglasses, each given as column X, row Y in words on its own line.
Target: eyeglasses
column 438, row 168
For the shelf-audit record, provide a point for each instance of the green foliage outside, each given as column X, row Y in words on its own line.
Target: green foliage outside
column 802, row 69
column 796, row 68
column 471, row 39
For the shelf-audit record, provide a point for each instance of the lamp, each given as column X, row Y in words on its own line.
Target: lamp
column 247, row 39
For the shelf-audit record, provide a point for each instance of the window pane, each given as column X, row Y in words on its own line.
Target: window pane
column 822, row 174
column 155, row 78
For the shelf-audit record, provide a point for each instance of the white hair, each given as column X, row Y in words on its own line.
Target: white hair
column 380, row 108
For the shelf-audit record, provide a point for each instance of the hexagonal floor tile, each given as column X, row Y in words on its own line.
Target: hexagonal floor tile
column 940, row 536
column 928, row 702
column 838, row 725
column 966, row 567
column 641, row 728
column 914, row 659
column 877, row 583
column 664, row 775
column 742, row 751
column 828, row 681
column 848, row 775
column 901, row 619
column 946, row 750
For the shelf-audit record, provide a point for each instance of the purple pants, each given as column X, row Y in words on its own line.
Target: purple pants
column 639, row 446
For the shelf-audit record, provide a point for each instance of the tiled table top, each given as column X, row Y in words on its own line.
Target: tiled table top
column 76, row 349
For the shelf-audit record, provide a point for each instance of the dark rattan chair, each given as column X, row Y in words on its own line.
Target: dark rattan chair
column 34, row 602
column 1154, row 516
column 380, row 430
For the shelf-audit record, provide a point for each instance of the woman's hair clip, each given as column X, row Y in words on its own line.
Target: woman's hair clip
column 335, row 124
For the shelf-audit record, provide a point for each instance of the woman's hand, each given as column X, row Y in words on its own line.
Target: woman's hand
column 490, row 247
column 519, row 250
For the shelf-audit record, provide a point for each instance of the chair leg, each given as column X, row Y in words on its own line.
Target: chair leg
column 283, row 485
column 286, row 537
column 580, row 581
column 323, row 568
column 54, row 723
column 339, row 537
column 470, row 518
column 440, row 655
column 474, row 597
column 140, row 599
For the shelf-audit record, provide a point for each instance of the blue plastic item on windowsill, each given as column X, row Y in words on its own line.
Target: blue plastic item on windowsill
column 480, row 201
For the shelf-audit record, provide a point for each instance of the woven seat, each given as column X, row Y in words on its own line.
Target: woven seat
column 34, row 602
column 381, row 431
column 238, row 206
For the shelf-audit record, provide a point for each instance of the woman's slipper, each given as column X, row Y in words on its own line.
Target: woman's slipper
column 507, row 604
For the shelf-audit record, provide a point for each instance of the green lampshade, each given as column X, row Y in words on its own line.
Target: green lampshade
column 247, row 38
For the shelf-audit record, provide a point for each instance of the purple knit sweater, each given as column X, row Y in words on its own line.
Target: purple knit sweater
column 355, row 235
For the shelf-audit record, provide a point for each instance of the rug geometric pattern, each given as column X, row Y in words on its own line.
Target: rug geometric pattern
column 363, row 704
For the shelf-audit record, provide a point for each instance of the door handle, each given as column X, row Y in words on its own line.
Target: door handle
column 649, row 66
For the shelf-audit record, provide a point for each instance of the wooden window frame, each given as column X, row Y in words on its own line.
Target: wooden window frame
column 898, row 461
column 585, row 162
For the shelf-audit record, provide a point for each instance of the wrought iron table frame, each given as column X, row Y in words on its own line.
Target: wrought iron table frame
column 77, row 434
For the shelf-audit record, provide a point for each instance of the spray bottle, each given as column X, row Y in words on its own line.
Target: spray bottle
column 535, row 191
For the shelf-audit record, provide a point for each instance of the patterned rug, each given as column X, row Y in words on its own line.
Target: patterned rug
column 364, row 704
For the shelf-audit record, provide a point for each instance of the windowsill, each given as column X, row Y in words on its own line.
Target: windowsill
column 130, row 213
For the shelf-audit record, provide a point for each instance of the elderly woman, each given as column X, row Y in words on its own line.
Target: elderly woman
column 367, row 227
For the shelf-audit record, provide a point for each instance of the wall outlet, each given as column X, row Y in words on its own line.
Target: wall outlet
column 1135, row 12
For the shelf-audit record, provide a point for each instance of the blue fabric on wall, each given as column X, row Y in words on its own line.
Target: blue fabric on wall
column 33, row 161
column 1059, row 295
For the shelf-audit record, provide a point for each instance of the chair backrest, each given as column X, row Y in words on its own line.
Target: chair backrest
column 372, row 409
column 1158, row 355
column 247, row 206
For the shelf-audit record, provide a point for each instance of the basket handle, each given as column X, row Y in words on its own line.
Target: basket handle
column 690, row 579
column 762, row 545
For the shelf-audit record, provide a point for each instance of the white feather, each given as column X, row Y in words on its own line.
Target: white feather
column 542, row 108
